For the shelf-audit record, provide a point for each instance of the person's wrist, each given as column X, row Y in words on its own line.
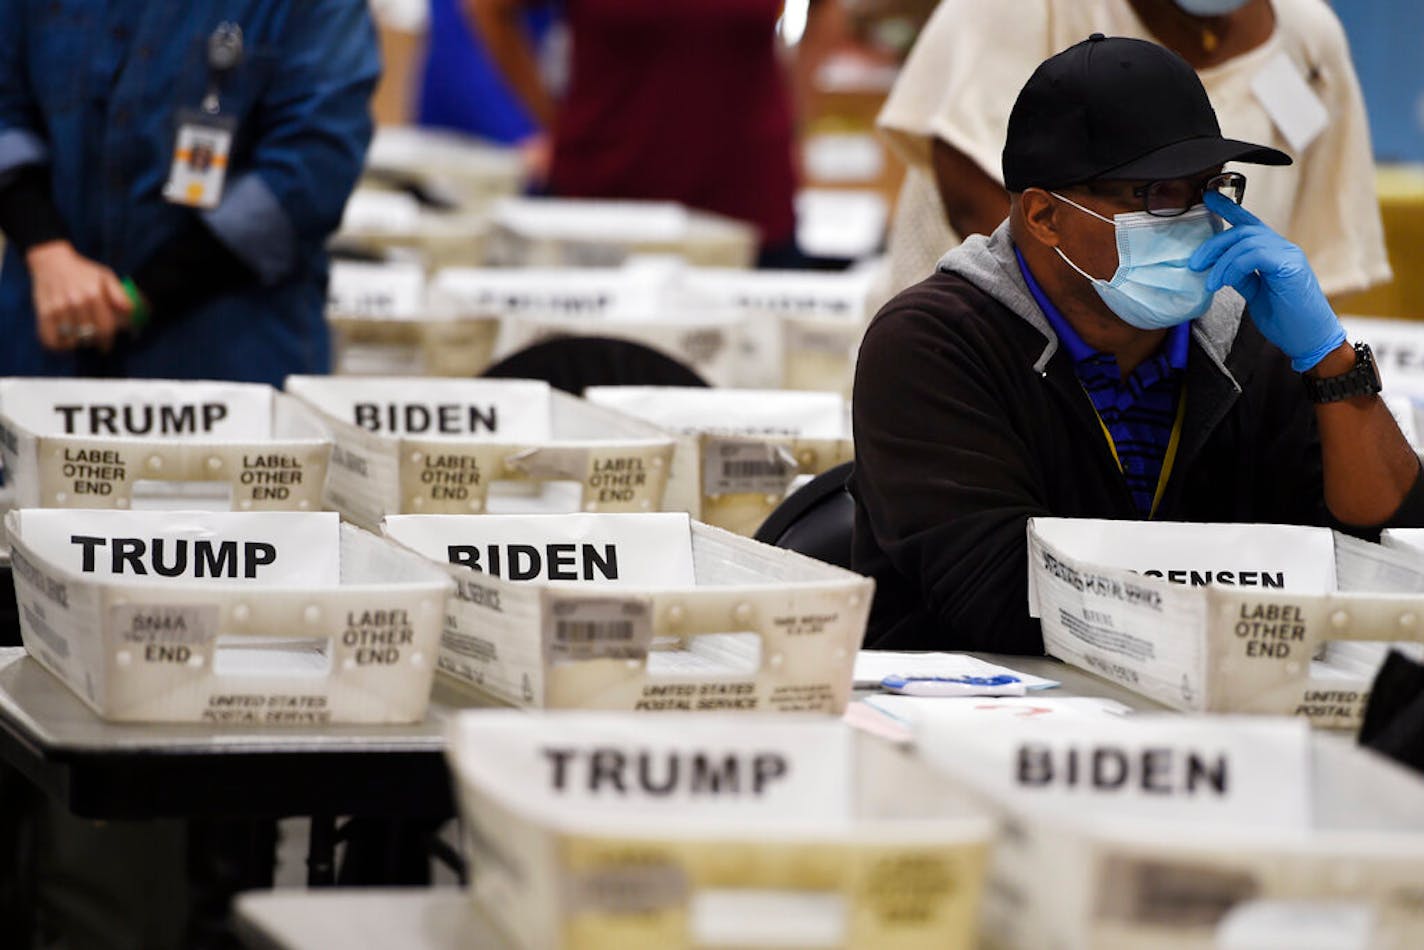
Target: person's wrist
column 39, row 254
column 1337, row 362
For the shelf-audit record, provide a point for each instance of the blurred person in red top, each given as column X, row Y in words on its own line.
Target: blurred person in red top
column 676, row 100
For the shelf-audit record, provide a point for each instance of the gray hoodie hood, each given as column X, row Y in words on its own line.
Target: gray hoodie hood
column 989, row 264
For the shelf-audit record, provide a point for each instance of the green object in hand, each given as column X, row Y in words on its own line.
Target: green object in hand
column 140, row 316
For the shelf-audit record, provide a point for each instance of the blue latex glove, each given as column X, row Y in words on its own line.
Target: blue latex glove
column 1281, row 291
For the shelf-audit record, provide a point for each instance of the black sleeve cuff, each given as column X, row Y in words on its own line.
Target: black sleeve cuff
column 191, row 267
column 27, row 212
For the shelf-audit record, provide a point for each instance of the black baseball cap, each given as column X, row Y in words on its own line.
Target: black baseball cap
column 1117, row 108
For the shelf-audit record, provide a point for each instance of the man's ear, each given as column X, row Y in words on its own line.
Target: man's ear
column 1040, row 210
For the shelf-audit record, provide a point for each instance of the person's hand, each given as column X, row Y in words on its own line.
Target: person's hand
column 1273, row 275
column 77, row 302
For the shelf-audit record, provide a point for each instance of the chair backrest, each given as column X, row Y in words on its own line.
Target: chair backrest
column 816, row 519
column 573, row 363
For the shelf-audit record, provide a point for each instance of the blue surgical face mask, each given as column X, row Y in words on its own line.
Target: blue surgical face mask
column 1153, row 288
column 1211, row 7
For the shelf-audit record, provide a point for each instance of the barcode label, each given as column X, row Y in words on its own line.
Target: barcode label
column 735, row 466
column 586, row 628
column 587, row 631
column 754, row 468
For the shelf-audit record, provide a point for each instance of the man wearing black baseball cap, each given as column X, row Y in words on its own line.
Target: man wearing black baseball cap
column 1113, row 350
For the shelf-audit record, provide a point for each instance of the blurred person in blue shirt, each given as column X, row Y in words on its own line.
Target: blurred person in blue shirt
column 462, row 89
column 169, row 175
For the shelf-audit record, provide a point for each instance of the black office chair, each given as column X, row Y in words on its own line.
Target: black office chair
column 9, row 610
column 816, row 520
column 573, row 363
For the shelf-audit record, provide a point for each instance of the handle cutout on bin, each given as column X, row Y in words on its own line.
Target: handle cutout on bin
column 534, row 498
column 272, row 656
column 150, row 494
column 1360, row 658
column 706, row 654
column 754, row 917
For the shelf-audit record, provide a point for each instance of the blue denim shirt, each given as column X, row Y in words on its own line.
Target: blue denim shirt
column 93, row 89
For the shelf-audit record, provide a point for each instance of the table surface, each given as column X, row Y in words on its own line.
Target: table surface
column 151, row 770
column 141, row 770
column 441, row 918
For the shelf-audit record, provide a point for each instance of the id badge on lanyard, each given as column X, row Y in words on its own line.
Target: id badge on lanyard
column 203, row 142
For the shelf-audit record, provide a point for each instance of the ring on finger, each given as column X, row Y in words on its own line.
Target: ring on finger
column 85, row 332
column 64, row 330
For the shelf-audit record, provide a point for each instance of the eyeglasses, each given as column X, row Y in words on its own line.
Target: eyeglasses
column 1173, row 196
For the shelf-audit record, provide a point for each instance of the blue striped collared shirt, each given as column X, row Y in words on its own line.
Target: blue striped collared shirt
column 1138, row 411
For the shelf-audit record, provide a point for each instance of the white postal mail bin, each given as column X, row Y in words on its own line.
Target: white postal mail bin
column 393, row 224
column 801, row 329
column 272, row 618
column 608, row 831
column 440, row 445
column 638, row 304
column 384, row 324
column 472, row 172
column 562, row 232
column 738, row 450
column 1162, row 841
column 715, row 622
column 1224, row 618
column 88, row 443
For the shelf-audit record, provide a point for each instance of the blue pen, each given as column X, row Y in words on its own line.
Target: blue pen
column 999, row 685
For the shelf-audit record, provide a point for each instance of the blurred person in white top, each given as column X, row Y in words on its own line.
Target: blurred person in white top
column 948, row 113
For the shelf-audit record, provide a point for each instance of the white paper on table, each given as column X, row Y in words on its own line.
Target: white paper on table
column 649, row 550
column 910, row 709
column 269, row 548
column 862, row 715
column 872, row 666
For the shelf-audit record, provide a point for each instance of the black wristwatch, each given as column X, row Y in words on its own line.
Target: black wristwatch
column 1362, row 380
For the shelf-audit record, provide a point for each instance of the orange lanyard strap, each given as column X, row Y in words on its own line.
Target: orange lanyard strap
column 1167, row 461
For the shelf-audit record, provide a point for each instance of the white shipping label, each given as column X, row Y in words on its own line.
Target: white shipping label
column 139, row 408
column 744, row 412
column 1142, row 632
column 1237, row 771
column 736, row 466
column 1290, row 102
column 507, row 410
column 650, row 551
column 163, row 630
column 692, row 769
column 1398, row 346
column 394, row 291
column 271, row 549
column 590, row 628
column 1282, row 557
